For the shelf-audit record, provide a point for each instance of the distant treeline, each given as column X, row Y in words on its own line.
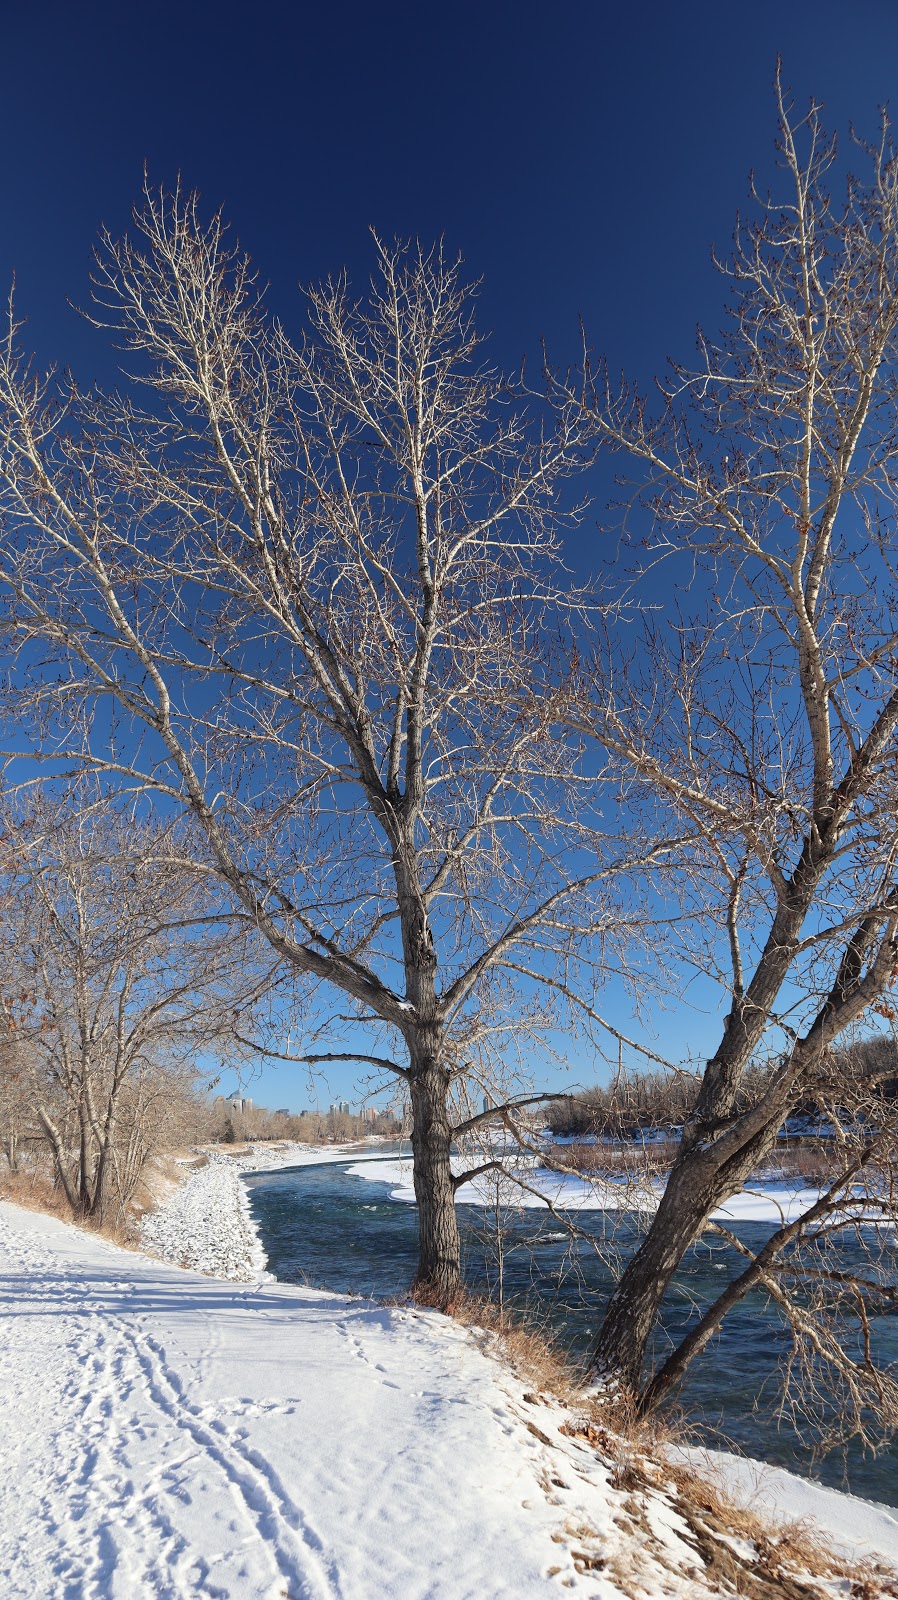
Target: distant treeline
column 640, row 1101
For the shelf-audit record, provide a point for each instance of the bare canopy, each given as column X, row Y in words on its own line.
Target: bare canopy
column 315, row 587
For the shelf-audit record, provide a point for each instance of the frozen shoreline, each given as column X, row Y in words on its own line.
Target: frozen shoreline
column 768, row 1202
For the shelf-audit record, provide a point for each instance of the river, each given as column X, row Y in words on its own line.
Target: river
column 322, row 1226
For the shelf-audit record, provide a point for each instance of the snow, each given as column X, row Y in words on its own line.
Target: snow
column 169, row 1436
column 206, row 1223
column 774, row 1202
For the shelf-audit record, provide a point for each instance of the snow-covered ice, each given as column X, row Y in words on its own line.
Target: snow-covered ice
column 774, row 1202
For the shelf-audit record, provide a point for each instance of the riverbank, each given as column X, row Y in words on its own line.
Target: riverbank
column 205, row 1221
column 861, row 1526
column 169, row 1436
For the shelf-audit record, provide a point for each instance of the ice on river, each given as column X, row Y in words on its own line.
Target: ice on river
column 767, row 1203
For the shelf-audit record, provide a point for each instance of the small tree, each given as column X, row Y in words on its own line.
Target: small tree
column 116, row 979
column 317, row 584
column 769, row 722
column 16, row 1105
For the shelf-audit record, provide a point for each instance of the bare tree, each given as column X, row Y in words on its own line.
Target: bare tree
column 318, row 583
column 118, row 976
column 16, row 1104
column 767, row 721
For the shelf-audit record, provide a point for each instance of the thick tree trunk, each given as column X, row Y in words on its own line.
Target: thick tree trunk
column 699, row 1181
column 634, row 1306
column 439, row 1256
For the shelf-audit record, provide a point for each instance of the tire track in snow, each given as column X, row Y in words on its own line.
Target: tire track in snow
column 300, row 1551
column 93, row 1477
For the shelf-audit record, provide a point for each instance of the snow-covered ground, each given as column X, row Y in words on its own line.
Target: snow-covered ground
column 169, row 1436
column 206, row 1224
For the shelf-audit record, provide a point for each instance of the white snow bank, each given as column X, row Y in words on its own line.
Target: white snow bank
column 206, row 1224
column 771, row 1203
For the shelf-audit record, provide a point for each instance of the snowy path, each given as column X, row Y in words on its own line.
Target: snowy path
column 167, row 1435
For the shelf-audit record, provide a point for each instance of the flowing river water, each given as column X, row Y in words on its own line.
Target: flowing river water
column 323, row 1226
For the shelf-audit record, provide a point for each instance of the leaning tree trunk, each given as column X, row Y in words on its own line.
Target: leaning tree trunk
column 634, row 1306
column 709, row 1168
column 439, row 1255
column 698, row 1183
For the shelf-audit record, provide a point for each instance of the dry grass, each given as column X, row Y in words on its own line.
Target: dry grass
column 632, row 1160
column 740, row 1550
column 531, row 1351
column 737, row 1550
column 785, row 1555
column 34, row 1190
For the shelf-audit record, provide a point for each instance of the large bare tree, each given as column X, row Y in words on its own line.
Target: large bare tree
column 760, row 703
column 315, row 584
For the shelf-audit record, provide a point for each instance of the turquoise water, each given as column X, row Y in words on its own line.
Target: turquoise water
column 321, row 1226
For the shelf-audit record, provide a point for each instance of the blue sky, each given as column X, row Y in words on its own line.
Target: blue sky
column 583, row 156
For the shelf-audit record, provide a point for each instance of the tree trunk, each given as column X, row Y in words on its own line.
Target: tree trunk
column 439, row 1256
column 701, row 1177
column 697, row 1184
column 633, row 1308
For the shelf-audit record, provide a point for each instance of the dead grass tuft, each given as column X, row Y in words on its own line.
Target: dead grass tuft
column 784, row 1555
column 34, row 1190
column 530, row 1350
column 776, row 1561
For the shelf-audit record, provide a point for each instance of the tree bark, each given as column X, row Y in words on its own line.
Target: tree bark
column 633, row 1307
column 719, row 1148
column 439, row 1255
column 704, row 1175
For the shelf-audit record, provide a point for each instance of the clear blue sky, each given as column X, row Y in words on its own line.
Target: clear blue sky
column 582, row 156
